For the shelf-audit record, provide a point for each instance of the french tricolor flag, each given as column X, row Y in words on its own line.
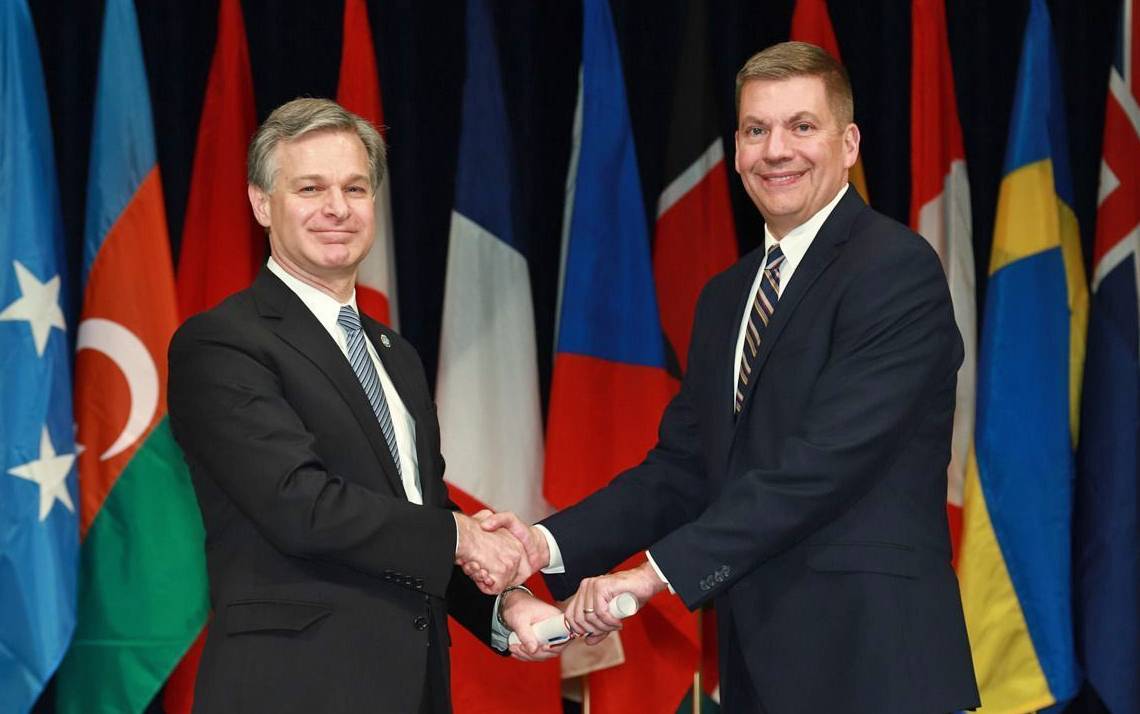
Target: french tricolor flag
column 487, row 386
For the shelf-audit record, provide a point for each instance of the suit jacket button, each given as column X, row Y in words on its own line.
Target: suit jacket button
column 420, row 623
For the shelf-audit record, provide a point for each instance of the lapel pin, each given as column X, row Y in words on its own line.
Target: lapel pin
column 385, row 341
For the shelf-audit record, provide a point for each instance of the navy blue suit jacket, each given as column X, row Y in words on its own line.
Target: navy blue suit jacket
column 816, row 518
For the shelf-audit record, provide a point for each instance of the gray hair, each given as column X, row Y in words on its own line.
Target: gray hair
column 800, row 59
column 303, row 116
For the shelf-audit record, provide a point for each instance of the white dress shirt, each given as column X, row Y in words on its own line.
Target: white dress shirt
column 327, row 309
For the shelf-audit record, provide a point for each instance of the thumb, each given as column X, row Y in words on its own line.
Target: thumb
column 495, row 521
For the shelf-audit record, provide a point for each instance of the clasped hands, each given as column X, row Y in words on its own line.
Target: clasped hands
column 498, row 550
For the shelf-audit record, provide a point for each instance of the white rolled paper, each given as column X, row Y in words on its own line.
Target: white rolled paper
column 553, row 630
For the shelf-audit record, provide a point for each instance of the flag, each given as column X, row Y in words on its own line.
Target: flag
column 39, row 527
column 811, row 23
column 487, row 386
column 222, row 245
column 142, row 586
column 940, row 212
column 359, row 91
column 1107, row 499
column 1014, row 563
column 695, row 237
column 610, row 384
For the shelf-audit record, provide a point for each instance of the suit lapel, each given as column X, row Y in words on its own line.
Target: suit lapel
column 300, row 329
column 824, row 248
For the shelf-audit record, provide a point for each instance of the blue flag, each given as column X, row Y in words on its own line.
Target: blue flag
column 39, row 539
column 1107, row 498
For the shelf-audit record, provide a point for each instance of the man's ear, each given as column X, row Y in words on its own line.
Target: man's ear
column 736, row 153
column 259, row 201
column 850, row 145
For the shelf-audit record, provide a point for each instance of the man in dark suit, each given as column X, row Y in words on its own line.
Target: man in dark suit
column 799, row 480
column 314, row 450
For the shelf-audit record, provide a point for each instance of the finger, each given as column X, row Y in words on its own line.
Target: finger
column 483, row 514
column 494, row 522
column 596, row 638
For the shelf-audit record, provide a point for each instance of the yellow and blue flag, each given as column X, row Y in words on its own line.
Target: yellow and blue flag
column 1015, row 566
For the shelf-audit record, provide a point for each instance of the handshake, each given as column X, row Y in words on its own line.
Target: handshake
column 498, row 551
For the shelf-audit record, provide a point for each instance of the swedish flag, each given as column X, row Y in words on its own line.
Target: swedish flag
column 1015, row 565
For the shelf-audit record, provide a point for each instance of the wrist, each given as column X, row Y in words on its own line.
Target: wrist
column 541, row 546
column 653, row 582
column 506, row 595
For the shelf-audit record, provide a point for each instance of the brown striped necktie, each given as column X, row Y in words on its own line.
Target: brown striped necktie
column 762, row 306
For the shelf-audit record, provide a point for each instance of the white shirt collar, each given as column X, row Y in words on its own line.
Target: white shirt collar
column 323, row 306
column 799, row 239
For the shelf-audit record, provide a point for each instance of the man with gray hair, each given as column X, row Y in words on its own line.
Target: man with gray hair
column 314, row 451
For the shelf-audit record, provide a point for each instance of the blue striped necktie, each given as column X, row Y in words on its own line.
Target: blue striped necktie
column 361, row 363
column 762, row 306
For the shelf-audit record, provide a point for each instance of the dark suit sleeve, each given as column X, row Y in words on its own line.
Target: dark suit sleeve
column 665, row 491
column 229, row 415
column 894, row 344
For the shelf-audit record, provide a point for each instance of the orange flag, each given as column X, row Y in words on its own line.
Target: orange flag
column 811, row 23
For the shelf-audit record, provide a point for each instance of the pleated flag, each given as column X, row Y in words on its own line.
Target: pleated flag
column 1108, row 484
column 610, row 384
column 487, row 386
column 1014, row 562
column 940, row 212
column 142, row 586
column 39, row 526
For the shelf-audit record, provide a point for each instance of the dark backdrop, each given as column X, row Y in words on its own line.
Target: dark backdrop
column 295, row 50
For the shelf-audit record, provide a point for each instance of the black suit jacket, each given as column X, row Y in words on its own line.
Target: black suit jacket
column 816, row 519
column 327, row 584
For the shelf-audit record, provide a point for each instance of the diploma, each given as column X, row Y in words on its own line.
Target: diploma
column 553, row 630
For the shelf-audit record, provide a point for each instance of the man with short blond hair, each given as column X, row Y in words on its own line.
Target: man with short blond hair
column 314, row 451
column 799, row 479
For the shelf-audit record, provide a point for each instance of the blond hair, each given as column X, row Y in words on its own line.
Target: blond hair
column 304, row 116
column 800, row 59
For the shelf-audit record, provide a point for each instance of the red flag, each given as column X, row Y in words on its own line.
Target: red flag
column 222, row 245
column 359, row 91
column 940, row 211
column 811, row 23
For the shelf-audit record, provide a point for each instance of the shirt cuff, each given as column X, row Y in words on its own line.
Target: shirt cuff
column 555, row 566
column 500, row 635
column 653, row 564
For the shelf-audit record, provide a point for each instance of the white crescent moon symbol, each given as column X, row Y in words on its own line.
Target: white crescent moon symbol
column 131, row 356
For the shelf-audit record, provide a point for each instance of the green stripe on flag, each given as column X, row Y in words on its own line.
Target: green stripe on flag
column 142, row 586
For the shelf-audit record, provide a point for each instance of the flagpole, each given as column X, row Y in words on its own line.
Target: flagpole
column 585, row 694
column 700, row 663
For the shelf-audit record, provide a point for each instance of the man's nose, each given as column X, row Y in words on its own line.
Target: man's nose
column 777, row 148
column 335, row 203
